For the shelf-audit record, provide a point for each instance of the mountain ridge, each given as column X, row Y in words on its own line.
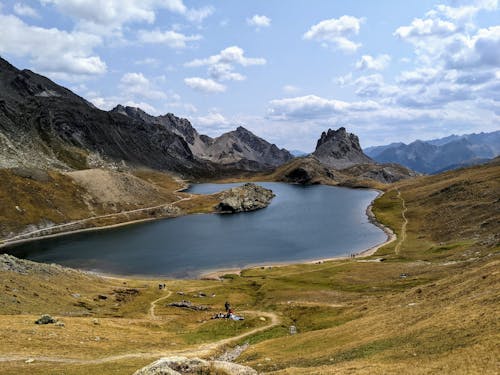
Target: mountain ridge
column 441, row 154
column 45, row 125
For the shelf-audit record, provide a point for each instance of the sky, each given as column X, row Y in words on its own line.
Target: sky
column 386, row 70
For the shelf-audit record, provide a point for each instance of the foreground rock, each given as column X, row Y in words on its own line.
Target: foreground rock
column 183, row 365
column 45, row 319
column 248, row 197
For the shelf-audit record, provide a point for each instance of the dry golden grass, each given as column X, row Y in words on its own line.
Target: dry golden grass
column 353, row 316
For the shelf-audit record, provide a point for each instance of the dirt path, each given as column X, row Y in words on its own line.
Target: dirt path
column 38, row 234
column 200, row 351
column 151, row 311
column 402, row 238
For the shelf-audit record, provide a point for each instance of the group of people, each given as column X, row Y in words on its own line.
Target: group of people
column 228, row 315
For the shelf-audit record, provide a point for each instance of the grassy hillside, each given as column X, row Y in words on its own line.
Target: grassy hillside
column 31, row 199
column 431, row 306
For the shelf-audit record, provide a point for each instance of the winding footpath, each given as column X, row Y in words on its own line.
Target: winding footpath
column 152, row 307
column 402, row 238
column 200, row 351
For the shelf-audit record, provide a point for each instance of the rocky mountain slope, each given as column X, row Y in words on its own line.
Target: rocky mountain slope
column 339, row 159
column 45, row 125
column 440, row 154
column 339, row 149
column 239, row 148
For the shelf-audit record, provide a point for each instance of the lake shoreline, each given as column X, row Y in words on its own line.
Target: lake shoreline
column 215, row 273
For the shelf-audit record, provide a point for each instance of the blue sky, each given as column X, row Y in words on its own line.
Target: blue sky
column 287, row 70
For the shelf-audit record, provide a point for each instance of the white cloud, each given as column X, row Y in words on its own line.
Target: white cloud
column 483, row 49
column 211, row 119
column 229, row 55
column 198, row 15
column 136, row 84
column 115, row 12
column 25, row 10
column 290, row 89
column 368, row 62
column 204, row 85
column 312, row 106
column 170, row 38
column 259, row 21
column 336, row 31
column 463, row 12
column 224, row 72
column 221, row 68
column 110, row 16
column 51, row 51
column 426, row 28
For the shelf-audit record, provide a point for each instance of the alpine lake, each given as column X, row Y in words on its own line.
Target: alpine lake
column 302, row 223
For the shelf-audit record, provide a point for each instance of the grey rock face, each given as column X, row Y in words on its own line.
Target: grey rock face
column 243, row 145
column 239, row 148
column 339, row 149
column 183, row 365
column 44, row 125
column 248, row 197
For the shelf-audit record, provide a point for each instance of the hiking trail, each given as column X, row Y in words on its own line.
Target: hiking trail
column 402, row 238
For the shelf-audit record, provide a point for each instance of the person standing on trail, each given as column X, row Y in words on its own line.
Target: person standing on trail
column 227, row 306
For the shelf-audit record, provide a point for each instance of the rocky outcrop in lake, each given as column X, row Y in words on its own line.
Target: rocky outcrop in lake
column 248, row 197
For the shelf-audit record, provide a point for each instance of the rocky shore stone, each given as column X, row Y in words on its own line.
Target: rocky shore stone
column 183, row 365
column 248, row 197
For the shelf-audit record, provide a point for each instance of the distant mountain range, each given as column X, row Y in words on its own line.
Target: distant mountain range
column 45, row 125
column 441, row 154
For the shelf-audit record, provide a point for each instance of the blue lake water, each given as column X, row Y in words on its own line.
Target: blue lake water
column 301, row 223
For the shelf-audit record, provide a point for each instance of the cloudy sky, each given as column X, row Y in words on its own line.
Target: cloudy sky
column 386, row 70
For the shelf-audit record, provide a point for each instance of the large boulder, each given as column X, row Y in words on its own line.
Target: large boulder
column 248, row 197
column 183, row 365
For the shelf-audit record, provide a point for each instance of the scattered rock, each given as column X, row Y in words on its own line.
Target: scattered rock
column 189, row 305
column 123, row 295
column 45, row 319
column 183, row 365
column 248, row 197
column 262, row 318
column 29, row 360
column 60, row 324
column 231, row 354
column 101, row 296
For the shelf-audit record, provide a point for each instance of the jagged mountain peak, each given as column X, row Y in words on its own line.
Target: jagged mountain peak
column 340, row 149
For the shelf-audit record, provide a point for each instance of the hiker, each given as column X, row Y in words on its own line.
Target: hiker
column 227, row 306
